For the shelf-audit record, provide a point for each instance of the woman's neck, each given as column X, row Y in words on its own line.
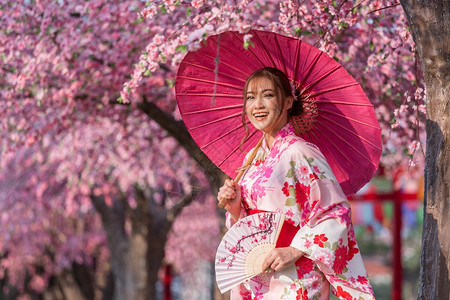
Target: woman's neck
column 270, row 136
column 269, row 140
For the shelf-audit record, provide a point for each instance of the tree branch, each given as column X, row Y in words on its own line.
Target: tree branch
column 178, row 208
column 329, row 23
column 386, row 7
column 178, row 130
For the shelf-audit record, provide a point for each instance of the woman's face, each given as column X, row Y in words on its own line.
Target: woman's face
column 263, row 106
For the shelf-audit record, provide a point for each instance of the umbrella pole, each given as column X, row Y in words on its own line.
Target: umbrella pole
column 223, row 203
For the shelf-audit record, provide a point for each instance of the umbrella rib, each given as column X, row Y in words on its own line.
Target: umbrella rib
column 250, row 50
column 235, row 149
column 213, row 109
column 311, row 136
column 212, row 70
column 342, row 153
column 344, row 103
column 310, row 67
column 280, row 55
column 265, row 50
column 210, row 81
column 349, row 144
column 215, row 121
column 233, row 55
column 226, row 64
column 221, row 136
column 352, row 132
column 348, row 118
column 299, row 47
column 209, row 94
column 340, row 87
column 328, row 73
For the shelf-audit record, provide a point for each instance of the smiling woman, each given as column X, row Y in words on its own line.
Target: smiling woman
column 268, row 102
column 264, row 109
column 318, row 251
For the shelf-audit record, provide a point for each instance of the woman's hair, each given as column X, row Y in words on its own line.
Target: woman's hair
column 283, row 90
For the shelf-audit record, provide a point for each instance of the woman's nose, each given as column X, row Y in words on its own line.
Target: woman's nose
column 259, row 102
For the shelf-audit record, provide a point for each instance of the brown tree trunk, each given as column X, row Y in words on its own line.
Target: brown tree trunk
column 136, row 256
column 429, row 21
column 128, row 252
column 136, row 266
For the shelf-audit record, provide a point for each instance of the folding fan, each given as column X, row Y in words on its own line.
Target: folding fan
column 244, row 247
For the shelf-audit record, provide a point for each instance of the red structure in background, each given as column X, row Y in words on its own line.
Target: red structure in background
column 167, row 282
column 397, row 197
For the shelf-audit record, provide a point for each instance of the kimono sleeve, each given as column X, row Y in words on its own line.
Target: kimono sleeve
column 326, row 233
column 229, row 221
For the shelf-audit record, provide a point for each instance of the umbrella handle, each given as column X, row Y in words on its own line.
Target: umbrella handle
column 223, row 203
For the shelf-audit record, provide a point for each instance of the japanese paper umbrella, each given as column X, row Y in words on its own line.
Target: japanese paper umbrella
column 339, row 117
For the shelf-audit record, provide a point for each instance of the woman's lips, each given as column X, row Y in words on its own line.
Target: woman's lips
column 260, row 116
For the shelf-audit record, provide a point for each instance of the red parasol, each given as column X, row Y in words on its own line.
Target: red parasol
column 340, row 118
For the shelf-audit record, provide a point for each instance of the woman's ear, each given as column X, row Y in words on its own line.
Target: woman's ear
column 289, row 102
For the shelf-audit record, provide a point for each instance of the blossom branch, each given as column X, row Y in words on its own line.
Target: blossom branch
column 382, row 8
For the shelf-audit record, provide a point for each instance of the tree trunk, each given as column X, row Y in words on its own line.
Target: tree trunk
column 429, row 22
column 113, row 220
column 155, row 254
column 137, row 263
column 136, row 257
column 85, row 278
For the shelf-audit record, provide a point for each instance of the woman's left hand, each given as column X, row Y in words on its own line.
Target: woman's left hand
column 279, row 258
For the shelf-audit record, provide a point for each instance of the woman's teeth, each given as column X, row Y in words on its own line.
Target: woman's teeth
column 259, row 115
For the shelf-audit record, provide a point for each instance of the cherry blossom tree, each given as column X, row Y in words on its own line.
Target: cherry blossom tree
column 45, row 229
column 65, row 139
column 67, row 147
column 58, row 226
column 430, row 26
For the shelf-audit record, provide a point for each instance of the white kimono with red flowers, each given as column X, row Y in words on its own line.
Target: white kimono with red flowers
column 294, row 178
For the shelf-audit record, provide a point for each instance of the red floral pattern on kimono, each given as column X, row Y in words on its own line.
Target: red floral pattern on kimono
column 294, row 178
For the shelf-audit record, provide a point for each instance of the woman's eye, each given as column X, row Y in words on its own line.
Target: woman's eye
column 268, row 95
column 250, row 97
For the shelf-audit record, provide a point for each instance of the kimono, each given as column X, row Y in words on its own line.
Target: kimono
column 294, row 178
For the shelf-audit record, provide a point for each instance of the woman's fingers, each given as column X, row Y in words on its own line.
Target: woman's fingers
column 229, row 197
column 268, row 261
column 271, row 263
column 229, row 182
column 279, row 258
column 226, row 193
column 228, row 190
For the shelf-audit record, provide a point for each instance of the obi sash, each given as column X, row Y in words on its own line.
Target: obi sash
column 287, row 233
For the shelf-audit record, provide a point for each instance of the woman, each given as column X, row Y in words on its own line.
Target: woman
column 291, row 176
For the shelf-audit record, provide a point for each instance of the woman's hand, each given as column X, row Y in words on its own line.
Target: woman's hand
column 279, row 258
column 231, row 193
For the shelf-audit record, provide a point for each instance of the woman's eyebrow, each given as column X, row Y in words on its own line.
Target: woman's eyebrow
column 265, row 90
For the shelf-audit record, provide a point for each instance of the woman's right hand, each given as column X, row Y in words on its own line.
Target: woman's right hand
column 231, row 193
